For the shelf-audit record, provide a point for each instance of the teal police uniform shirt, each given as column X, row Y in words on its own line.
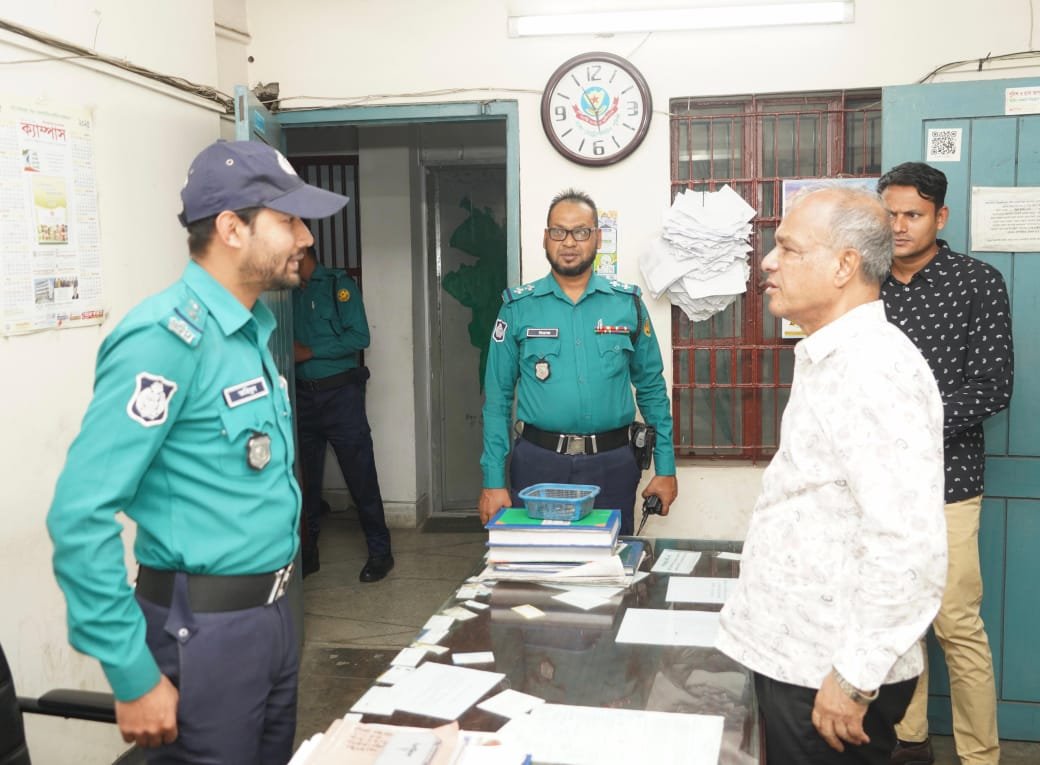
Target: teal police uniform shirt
column 568, row 377
column 329, row 318
column 185, row 391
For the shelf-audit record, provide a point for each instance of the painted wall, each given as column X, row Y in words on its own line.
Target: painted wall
column 361, row 52
column 145, row 136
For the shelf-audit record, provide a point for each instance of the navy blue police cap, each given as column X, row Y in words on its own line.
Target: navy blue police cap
column 235, row 175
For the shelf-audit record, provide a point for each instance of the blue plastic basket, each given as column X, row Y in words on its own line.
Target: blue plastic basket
column 559, row 501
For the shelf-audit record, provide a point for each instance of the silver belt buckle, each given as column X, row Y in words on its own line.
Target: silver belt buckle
column 281, row 582
column 575, row 445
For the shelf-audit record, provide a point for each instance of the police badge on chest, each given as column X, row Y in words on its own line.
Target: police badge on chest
column 258, row 451
column 542, row 370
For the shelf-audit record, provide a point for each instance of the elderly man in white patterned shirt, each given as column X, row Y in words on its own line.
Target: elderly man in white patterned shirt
column 845, row 558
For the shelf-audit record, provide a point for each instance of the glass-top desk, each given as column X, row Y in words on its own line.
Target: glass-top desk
column 569, row 656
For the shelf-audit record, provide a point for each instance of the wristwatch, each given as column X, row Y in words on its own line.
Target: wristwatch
column 854, row 693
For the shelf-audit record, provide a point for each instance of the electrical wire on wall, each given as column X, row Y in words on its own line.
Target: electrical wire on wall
column 202, row 91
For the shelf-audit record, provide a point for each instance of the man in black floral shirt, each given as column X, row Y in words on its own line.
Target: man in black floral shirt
column 955, row 309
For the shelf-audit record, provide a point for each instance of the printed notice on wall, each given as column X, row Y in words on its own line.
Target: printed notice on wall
column 50, row 242
column 606, row 262
column 1005, row 219
column 1022, row 100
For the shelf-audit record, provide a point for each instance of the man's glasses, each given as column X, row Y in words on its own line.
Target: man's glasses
column 580, row 234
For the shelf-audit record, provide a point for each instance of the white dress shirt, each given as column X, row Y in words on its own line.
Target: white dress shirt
column 845, row 559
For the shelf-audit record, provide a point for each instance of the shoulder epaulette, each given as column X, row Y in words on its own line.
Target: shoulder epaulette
column 515, row 293
column 628, row 289
column 186, row 320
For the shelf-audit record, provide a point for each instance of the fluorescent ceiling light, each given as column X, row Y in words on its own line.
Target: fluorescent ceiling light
column 611, row 22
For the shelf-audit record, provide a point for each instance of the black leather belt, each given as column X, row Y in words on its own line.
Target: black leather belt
column 215, row 593
column 564, row 443
column 326, row 383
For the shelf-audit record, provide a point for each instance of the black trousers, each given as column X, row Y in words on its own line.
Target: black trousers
column 791, row 738
column 337, row 417
column 614, row 471
column 236, row 672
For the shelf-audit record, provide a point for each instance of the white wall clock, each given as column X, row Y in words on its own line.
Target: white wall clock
column 596, row 109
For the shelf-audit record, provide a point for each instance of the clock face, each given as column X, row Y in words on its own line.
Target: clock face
column 596, row 109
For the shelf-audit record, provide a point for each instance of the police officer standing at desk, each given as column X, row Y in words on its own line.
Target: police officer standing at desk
column 572, row 345
column 331, row 329
column 189, row 433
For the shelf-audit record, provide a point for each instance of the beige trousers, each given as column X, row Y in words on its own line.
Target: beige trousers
column 962, row 636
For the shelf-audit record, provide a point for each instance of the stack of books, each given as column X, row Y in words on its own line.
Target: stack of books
column 521, row 547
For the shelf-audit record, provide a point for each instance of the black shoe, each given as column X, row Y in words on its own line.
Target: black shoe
column 377, row 567
column 311, row 562
column 913, row 753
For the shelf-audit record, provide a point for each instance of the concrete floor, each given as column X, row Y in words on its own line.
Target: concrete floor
column 352, row 630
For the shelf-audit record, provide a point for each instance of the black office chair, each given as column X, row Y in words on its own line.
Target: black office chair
column 71, row 704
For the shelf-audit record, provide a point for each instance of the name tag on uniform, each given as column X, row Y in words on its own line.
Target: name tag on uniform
column 244, row 392
column 553, row 332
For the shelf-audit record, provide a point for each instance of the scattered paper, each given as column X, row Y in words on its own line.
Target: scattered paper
column 469, row 591
column 640, row 576
column 672, row 561
column 727, row 556
column 431, row 647
column 443, row 690
column 378, row 700
column 432, row 636
column 698, row 589
column 582, row 599
column 474, row 657
column 394, row 675
column 475, row 604
column 529, row 611
column 571, row 735
column 408, row 657
column 460, row 613
column 438, row 622
column 510, row 703
column 652, row 626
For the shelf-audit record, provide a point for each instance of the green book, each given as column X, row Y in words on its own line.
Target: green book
column 513, row 526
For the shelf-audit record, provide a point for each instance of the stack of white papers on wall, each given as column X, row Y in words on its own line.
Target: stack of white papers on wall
column 700, row 261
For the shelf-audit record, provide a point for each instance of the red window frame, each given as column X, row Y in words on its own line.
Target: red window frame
column 732, row 373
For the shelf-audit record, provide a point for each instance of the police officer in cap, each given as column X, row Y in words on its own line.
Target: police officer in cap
column 572, row 345
column 190, row 434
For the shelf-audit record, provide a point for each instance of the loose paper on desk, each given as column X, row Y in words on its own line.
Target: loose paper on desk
column 571, row 735
column 458, row 612
column 727, row 556
column 676, row 562
column 409, row 657
column 394, row 675
column 377, row 700
column 583, row 599
column 443, row 690
column 698, row 589
column 510, row 703
column 438, row 622
column 473, row 657
column 653, row 626
column 352, row 743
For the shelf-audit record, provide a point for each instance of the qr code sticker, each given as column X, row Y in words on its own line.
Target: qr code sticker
column 944, row 145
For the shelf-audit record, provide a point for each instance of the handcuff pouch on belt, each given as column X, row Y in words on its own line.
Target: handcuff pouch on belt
column 643, row 439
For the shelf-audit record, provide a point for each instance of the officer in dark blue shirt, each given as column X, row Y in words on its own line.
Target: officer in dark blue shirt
column 189, row 434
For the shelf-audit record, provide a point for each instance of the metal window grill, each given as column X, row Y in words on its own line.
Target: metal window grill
column 337, row 238
column 732, row 373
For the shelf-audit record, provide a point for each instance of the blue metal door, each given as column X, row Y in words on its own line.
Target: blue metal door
column 1003, row 150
